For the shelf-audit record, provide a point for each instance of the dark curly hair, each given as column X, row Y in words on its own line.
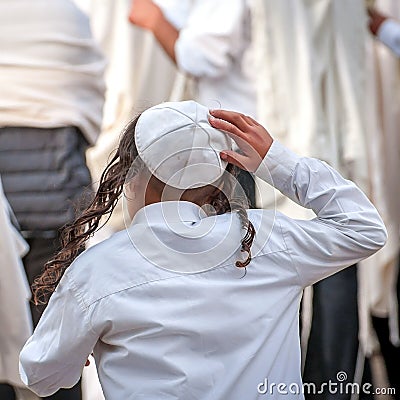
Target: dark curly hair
column 75, row 235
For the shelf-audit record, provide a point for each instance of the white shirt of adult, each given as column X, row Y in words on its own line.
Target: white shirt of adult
column 164, row 323
column 51, row 70
column 214, row 47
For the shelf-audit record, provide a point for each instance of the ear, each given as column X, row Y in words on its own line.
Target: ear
column 130, row 189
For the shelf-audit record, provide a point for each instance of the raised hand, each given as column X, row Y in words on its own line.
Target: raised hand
column 252, row 138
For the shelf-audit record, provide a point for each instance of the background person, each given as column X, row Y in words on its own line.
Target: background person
column 327, row 90
column 138, row 75
column 52, row 94
column 384, row 285
column 212, row 43
column 15, row 316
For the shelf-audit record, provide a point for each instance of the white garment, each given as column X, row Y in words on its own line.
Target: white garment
column 166, row 321
column 175, row 11
column 378, row 274
column 313, row 77
column 15, row 316
column 307, row 91
column 214, row 47
column 389, row 34
column 310, row 78
column 50, row 68
column 138, row 75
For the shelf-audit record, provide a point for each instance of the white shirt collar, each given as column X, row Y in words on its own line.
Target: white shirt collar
column 168, row 234
column 170, row 212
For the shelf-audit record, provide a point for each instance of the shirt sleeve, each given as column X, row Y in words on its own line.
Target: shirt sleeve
column 208, row 42
column 389, row 34
column 56, row 353
column 175, row 11
column 347, row 228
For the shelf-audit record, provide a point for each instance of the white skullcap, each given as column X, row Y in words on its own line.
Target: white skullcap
column 179, row 146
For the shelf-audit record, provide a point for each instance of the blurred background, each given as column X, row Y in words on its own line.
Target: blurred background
column 323, row 76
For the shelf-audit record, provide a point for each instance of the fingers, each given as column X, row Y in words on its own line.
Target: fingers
column 237, row 119
column 251, row 137
column 234, row 158
column 226, row 126
column 232, row 131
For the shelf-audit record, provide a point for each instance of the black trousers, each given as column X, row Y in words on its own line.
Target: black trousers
column 44, row 173
column 390, row 353
column 7, row 392
column 333, row 342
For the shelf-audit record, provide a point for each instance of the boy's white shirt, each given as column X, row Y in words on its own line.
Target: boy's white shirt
column 214, row 334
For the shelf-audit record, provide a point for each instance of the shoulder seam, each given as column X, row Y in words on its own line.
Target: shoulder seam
column 82, row 304
column 300, row 282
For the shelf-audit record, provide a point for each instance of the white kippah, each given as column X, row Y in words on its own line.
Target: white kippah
column 179, row 146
